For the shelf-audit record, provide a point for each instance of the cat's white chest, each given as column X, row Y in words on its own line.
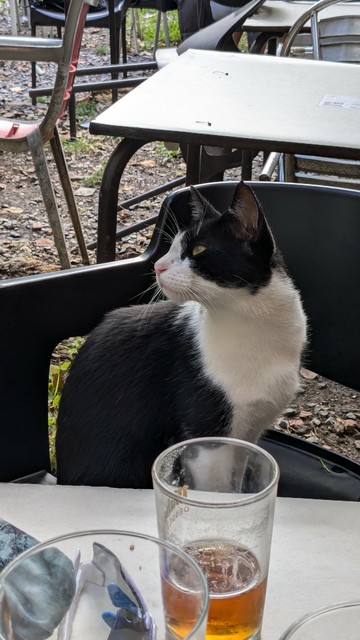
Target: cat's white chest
column 232, row 359
column 255, row 368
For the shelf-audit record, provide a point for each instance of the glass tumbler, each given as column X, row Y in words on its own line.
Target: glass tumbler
column 102, row 585
column 341, row 620
column 215, row 499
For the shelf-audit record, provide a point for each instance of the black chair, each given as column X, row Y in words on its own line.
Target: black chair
column 112, row 17
column 316, row 228
column 42, row 16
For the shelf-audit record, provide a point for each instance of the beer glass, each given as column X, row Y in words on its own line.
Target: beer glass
column 215, row 499
column 340, row 620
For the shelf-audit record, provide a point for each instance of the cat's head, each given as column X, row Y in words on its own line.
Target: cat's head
column 218, row 252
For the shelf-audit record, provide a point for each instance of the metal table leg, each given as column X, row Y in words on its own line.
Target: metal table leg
column 108, row 197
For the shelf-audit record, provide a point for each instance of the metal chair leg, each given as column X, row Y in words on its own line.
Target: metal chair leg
column 134, row 29
column 157, row 33
column 62, row 168
column 166, row 29
column 43, row 175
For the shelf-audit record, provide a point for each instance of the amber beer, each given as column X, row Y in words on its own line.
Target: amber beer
column 237, row 593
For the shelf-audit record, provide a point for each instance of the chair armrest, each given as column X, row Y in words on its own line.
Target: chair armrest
column 31, row 49
column 269, row 166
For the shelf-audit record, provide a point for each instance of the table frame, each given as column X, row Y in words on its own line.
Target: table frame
column 128, row 119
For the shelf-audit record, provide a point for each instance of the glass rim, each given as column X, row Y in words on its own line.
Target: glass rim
column 248, row 499
column 295, row 626
column 160, row 542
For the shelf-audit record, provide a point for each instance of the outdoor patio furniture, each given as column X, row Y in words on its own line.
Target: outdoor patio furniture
column 228, row 112
column 335, row 39
column 40, row 311
column 112, row 18
column 214, row 160
column 18, row 136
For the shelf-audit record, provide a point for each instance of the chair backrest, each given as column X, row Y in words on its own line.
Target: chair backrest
column 332, row 172
column 339, row 39
column 39, row 312
column 218, row 36
column 317, row 230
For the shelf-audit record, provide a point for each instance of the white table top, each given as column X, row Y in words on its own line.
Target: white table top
column 280, row 15
column 241, row 100
column 315, row 558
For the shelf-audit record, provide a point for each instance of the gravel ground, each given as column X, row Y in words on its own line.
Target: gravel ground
column 324, row 413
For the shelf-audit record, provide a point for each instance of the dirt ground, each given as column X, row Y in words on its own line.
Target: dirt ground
column 324, row 412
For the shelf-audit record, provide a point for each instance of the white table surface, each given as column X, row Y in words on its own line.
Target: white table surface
column 315, row 557
column 254, row 101
column 279, row 15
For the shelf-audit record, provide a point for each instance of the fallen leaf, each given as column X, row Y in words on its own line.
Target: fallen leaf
column 296, row 422
column 147, row 163
column 347, row 424
column 305, row 414
column 45, row 242
column 308, row 375
column 86, row 192
column 15, row 209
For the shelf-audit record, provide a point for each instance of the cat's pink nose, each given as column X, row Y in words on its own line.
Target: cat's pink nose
column 160, row 266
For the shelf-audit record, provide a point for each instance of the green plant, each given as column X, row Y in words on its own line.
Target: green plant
column 147, row 27
column 95, row 178
column 59, row 366
column 102, row 50
column 165, row 153
column 80, row 145
column 86, row 110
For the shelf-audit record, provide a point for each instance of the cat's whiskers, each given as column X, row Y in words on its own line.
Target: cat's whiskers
column 202, row 296
column 172, row 223
column 167, row 236
column 147, row 308
column 151, row 286
column 237, row 277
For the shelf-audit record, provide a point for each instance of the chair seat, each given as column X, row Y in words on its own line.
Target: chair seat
column 32, row 49
column 16, row 130
column 47, row 17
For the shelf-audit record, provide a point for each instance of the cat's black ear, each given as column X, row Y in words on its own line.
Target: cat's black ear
column 248, row 218
column 201, row 207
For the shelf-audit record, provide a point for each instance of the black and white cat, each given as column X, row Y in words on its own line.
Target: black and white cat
column 220, row 357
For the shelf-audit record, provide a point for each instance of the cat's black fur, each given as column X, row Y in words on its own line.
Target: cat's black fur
column 140, row 382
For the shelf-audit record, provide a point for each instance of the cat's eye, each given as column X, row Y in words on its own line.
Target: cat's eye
column 198, row 248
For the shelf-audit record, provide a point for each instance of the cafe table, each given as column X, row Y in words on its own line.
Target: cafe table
column 220, row 99
column 315, row 556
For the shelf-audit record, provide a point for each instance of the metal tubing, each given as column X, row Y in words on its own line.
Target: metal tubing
column 61, row 165
column 92, row 86
column 42, row 172
column 121, row 68
column 108, row 197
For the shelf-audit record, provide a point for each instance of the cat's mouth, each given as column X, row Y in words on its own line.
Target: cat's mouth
column 168, row 291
